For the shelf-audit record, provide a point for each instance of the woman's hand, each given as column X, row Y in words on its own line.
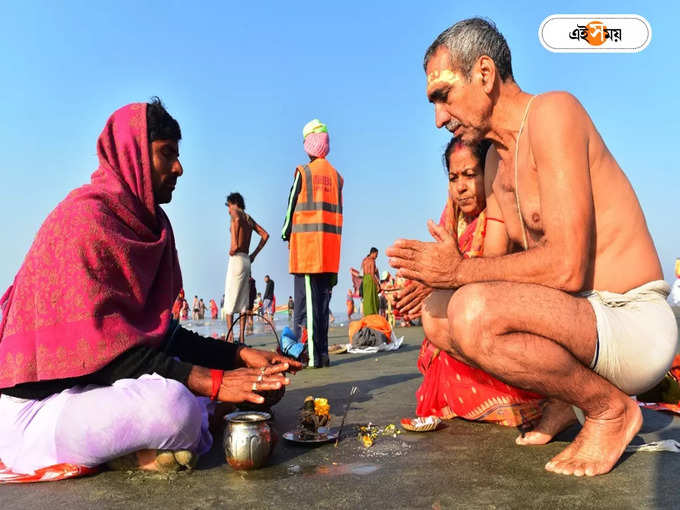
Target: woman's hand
column 409, row 301
column 255, row 358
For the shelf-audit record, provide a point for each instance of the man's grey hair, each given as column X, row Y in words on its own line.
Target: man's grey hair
column 468, row 40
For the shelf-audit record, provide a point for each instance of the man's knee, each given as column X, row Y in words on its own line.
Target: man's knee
column 436, row 330
column 435, row 323
column 471, row 320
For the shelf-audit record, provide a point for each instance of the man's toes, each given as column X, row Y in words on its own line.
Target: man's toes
column 526, row 439
column 532, row 438
column 572, row 468
column 579, row 470
column 551, row 466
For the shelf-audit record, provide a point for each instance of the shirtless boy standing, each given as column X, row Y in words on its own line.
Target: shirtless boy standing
column 236, row 287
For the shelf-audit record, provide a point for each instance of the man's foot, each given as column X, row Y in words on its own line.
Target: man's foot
column 557, row 416
column 164, row 461
column 600, row 444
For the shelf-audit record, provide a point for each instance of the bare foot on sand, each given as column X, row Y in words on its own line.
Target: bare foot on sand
column 600, row 443
column 165, row 461
column 557, row 416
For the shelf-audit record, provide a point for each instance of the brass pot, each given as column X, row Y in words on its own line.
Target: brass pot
column 249, row 439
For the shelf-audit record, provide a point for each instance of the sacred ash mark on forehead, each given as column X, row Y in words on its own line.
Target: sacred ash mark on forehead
column 439, row 78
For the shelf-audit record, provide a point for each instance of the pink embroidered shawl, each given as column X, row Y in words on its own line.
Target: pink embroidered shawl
column 102, row 273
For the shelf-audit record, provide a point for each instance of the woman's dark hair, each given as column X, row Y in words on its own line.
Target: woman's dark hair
column 479, row 150
column 237, row 199
column 373, row 250
column 159, row 123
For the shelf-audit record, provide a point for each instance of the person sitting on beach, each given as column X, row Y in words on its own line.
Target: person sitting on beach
column 580, row 314
column 450, row 387
column 112, row 374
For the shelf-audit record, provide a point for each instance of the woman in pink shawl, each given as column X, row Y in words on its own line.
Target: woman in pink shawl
column 92, row 366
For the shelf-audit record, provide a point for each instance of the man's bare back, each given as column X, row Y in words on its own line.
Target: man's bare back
column 622, row 253
column 368, row 267
column 242, row 226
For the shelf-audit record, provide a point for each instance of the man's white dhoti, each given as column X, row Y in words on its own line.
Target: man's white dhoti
column 637, row 336
column 236, row 284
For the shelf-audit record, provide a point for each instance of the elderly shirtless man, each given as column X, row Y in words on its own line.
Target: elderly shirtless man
column 578, row 311
column 237, row 284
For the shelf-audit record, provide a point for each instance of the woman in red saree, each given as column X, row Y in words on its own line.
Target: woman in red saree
column 450, row 387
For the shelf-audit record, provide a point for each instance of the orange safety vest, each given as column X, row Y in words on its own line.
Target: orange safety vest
column 317, row 220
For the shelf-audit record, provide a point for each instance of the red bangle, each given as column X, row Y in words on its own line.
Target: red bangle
column 216, row 382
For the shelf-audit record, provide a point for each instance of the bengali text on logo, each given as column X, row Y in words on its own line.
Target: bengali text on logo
column 595, row 33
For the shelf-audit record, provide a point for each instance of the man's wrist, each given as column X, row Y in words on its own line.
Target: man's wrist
column 454, row 278
column 238, row 360
column 200, row 380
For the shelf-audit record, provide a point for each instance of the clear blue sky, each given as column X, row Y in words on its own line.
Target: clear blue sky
column 243, row 78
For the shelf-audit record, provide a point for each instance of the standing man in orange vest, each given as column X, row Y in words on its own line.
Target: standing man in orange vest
column 313, row 229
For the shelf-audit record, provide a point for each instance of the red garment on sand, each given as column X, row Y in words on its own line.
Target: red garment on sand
column 48, row 474
column 451, row 388
column 102, row 273
column 661, row 406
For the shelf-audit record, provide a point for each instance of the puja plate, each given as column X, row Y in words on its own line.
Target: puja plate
column 324, row 436
column 421, row 424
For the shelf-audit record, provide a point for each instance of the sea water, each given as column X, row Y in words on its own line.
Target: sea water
column 218, row 327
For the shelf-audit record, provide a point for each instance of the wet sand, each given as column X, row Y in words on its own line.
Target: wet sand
column 464, row 465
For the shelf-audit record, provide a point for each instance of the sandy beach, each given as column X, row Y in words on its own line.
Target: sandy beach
column 464, row 464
